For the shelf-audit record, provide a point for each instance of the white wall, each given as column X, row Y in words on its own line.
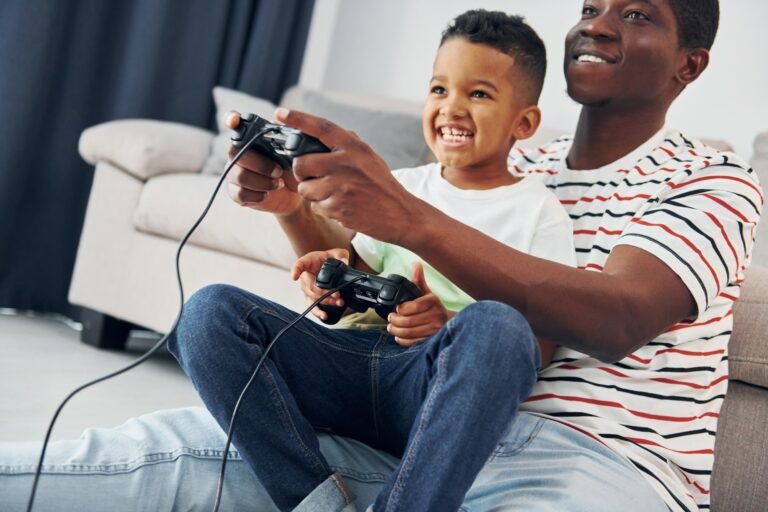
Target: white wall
column 386, row 48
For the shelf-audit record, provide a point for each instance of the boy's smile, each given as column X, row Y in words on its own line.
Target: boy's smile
column 477, row 101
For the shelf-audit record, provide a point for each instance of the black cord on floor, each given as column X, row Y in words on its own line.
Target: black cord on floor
column 164, row 339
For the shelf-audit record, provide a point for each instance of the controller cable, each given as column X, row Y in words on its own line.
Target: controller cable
column 161, row 343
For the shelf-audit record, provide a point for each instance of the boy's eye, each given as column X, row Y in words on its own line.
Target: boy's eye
column 436, row 89
column 479, row 94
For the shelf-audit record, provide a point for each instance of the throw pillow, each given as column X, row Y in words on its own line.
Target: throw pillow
column 226, row 100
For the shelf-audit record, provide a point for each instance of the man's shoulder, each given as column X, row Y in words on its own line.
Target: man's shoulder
column 538, row 160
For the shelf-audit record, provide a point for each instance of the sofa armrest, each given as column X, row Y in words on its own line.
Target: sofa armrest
column 145, row 148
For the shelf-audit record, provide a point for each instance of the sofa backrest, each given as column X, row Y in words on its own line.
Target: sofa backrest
column 740, row 477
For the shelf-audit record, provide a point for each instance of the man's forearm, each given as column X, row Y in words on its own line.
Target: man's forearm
column 598, row 313
column 310, row 232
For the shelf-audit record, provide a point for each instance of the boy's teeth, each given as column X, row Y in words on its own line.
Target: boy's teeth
column 589, row 58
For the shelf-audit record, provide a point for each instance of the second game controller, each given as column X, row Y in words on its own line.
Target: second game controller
column 383, row 294
column 281, row 143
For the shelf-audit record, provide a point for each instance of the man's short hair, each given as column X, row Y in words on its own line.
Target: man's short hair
column 507, row 33
column 697, row 22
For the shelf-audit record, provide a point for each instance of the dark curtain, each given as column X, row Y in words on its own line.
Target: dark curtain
column 69, row 64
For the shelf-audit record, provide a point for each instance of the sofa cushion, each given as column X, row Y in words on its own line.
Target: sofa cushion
column 146, row 148
column 748, row 348
column 225, row 101
column 396, row 136
column 170, row 204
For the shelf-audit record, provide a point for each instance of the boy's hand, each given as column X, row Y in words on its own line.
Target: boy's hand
column 419, row 318
column 305, row 270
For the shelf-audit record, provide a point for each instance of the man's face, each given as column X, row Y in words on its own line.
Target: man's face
column 473, row 105
column 622, row 52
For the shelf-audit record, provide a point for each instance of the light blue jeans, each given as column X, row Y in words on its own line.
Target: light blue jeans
column 170, row 460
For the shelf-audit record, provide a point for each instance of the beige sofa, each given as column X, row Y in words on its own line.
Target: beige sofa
column 148, row 190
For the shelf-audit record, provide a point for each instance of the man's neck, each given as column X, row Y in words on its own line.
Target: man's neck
column 603, row 136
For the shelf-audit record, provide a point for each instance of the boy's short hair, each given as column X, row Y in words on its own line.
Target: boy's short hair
column 697, row 22
column 507, row 33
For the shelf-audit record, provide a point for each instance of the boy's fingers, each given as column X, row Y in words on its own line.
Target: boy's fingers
column 418, row 278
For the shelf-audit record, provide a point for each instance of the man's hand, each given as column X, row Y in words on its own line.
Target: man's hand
column 257, row 182
column 351, row 184
column 419, row 318
column 305, row 270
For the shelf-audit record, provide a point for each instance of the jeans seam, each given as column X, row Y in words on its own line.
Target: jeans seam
column 125, row 467
column 500, row 453
column 407, row 460
column 375, row 367
column 279, row 402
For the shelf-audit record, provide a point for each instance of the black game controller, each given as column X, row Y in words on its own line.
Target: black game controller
column 281, row 143
column 383, row 294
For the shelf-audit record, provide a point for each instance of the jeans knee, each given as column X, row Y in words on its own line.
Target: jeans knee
column 498, row 336
column 209, row 309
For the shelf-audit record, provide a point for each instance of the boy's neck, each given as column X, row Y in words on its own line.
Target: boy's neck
column 603, row 136
column 479, row 178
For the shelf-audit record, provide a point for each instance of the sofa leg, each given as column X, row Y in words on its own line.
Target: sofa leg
column 104, row 331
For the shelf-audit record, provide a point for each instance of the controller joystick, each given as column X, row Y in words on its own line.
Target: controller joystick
column 281, row 143
column 383, row 294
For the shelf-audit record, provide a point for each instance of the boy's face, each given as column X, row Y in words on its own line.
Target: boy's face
column 622, row 52
column 473, row 105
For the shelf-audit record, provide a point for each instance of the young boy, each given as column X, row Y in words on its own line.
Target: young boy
column 437, row 404
column 482, row 98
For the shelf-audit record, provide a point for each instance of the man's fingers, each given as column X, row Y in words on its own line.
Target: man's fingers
column 255, row 163
column 329, row 133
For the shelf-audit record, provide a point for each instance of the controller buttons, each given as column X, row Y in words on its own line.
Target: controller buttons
column 387, row 292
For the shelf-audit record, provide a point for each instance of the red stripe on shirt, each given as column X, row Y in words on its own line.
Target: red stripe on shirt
column 726, row 206
column 687, row 242
column 719, row 177
column 640, row 440
column 679, row 327
column 617, row 405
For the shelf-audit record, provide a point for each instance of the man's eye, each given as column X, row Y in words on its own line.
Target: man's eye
column 588, row 10
column 437, row 90
column 637, row 16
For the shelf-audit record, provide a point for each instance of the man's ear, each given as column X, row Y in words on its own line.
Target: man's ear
column 692, row 64
column 527, row 123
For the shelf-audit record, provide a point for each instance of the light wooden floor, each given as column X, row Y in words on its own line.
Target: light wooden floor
column 42, row 360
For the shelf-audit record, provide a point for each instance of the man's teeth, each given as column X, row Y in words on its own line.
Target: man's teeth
column 589, row 58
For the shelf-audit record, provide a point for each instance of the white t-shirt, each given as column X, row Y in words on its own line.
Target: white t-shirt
column 696, row 209
column 524, row 215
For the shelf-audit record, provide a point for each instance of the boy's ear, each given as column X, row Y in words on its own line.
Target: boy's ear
column 528, row 122
column 692, row 63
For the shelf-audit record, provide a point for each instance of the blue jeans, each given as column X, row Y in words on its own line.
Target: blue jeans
column 169, row 461
column 441, row 406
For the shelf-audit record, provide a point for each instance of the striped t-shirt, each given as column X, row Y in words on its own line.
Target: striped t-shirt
column 696, row 209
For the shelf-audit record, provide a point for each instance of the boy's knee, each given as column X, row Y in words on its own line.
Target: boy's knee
column 208, row 309
column 499, row 334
